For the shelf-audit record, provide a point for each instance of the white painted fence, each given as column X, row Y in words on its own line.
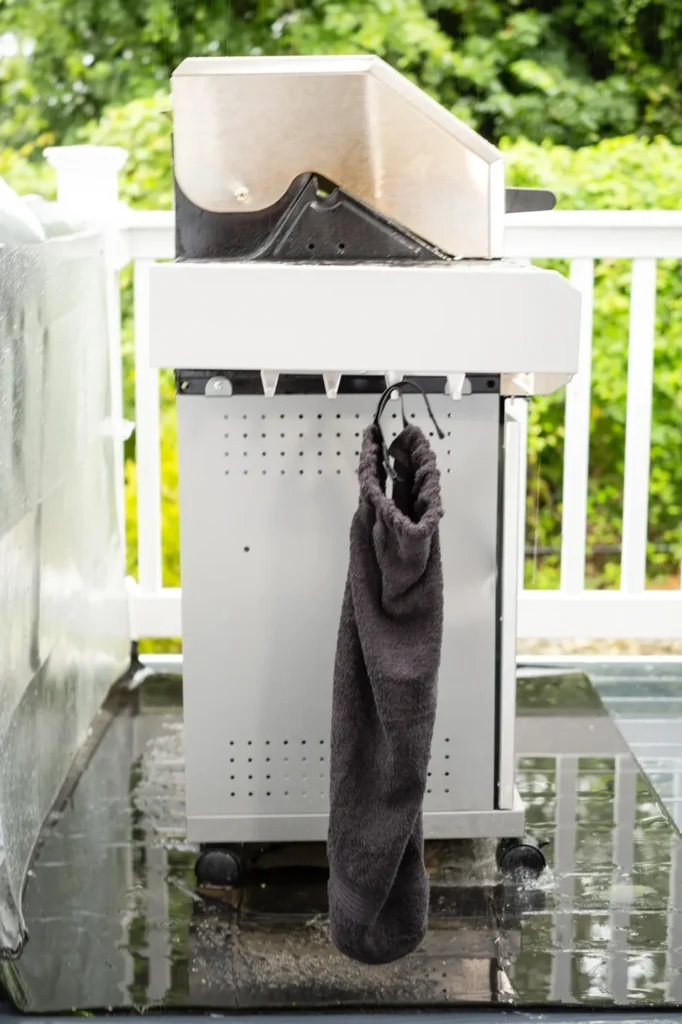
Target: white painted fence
column 582, row 238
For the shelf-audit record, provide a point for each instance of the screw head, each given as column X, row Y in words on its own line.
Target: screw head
column 217, row 385
column 241, row 193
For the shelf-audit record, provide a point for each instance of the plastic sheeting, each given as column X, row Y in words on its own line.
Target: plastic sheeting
column 64, row 636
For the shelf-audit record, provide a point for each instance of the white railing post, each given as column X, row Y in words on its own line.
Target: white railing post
column 87, row 187
column 147, row 440
column 577, row 441
column 638, row 424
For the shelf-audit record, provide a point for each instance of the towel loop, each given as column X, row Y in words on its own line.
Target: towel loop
column 400, row 387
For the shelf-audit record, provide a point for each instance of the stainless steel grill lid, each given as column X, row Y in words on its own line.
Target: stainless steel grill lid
column 246, row 127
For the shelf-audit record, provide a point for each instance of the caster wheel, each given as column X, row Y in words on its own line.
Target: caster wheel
column 521, row 857
column 219, row 868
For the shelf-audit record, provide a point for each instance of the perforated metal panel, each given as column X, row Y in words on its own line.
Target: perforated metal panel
column 268, row 489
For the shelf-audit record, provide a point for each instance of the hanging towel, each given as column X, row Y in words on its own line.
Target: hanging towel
column 384, row 700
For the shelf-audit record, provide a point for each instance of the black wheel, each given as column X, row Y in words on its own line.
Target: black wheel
column 521, row 857
column 219, row 868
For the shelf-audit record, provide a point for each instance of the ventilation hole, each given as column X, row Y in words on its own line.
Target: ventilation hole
column 249, row 759
column 321, row 743
column 319, row 435
column 267, row 759
column 338, row 435
column 231, row 743
column 449, row 452
column 281, row 435
column 357, row 415
column 338, row 453
column 447, row 790
column 338, row 472
column 490, row 384
column 430, row 433
column 311, row 246
column 267, row 743
column 282, row 472
column 227, row 472
column 300, row 415
column 264, row 471
column 304, row 759
column 300, row 453
column 231, row 760
column 321, row 759
column 448, row 470
column 447, row 739
column 286, row 742
column 395, row 417
column 412, row 415
column 341, row 246
column 300, row 472
column 281, row 415
column 247, row 549
column 286, row 758
column 447, row 774
column 428, row 790
column 251, row 777
column 286, row 792
column 357, row 453
column 233, row 794
column 319, row 472
column 264, row 435
column 429, row 774
column 249, row 743
column 244, row 416
column 357, row 434
column 250, row 794
column 448, row 433
column 319, row 415
column 281, row 454
column 245, row 454
column 444, row 975
column 227, row 435
column 300, row 435
column 303, row 743
column 226, row 417
column 447, row 757
column 268, row 776
column 268, row 793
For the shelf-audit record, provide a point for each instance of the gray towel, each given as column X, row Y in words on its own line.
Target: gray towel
column 384, row 704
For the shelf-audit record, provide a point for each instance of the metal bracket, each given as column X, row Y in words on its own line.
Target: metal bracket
column 269, row 378
column 454, row 385
column 218, row 387
column 331, row 384
column 393, row 377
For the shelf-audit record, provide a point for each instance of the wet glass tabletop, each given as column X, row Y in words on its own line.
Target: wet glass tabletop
column 116, row 921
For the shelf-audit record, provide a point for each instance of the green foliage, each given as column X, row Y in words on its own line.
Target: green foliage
column 624, row 173
column 570, row 70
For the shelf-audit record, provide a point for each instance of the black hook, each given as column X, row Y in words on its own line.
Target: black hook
column 399, row 386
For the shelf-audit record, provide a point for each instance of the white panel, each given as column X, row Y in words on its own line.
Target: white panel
column 638, row 424
column 147, row 440
column 476, row 316
column 577, row 441
column 265, row 514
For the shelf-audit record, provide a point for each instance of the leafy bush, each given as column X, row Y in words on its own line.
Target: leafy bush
column 573, row 71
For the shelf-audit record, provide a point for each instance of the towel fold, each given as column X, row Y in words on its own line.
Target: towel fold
column 384, row 703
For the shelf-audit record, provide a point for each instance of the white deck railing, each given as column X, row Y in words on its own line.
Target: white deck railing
column 571, row 611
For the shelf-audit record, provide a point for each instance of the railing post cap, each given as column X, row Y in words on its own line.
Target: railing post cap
column 73, row 157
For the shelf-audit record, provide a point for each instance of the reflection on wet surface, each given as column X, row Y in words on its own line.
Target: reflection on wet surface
column 115, row 920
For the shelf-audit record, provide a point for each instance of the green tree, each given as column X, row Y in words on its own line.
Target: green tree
column 572, row 71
